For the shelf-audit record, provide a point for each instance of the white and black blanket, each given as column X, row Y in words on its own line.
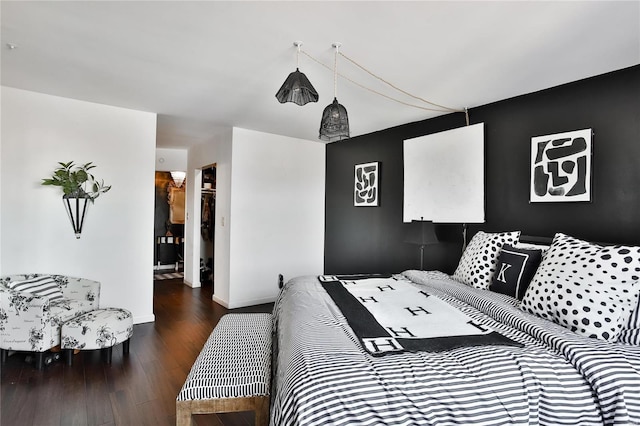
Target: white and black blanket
column 324, row 376
column 389, row 315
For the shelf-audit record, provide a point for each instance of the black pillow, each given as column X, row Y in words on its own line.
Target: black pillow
column 516, row 267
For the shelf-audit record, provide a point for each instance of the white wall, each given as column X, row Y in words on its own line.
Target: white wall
column 277, row 214
column 171, row 159
column 269, row 215
column 116, row 245
column 218, row 151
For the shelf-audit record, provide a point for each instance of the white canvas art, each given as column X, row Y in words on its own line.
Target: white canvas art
column 444, row 176
column 561, row 167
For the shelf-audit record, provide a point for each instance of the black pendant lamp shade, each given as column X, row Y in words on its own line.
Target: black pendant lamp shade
column 335, row 122
column 297, row 89
column 334, row 125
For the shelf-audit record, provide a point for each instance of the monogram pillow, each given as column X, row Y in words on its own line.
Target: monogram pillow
column 516, row 267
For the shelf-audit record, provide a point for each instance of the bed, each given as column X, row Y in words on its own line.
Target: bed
column 544, row 372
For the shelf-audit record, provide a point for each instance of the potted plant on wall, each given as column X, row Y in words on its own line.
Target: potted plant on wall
column 79, row 187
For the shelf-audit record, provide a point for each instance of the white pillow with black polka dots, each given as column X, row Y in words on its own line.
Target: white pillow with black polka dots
column 478, row 263
column 594, row 310
column 571, row 266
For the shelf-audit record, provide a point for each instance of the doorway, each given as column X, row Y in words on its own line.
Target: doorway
column 207, row 225
column 168, row 227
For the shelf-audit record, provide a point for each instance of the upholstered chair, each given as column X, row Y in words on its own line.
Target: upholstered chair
column 33, row 308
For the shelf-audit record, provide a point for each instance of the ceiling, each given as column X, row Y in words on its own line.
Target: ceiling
column 206, row 66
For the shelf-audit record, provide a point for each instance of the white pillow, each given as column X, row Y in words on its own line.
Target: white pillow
column 40, row 286
column 533, row 246
column 594, row 310
column 572, row 266
column 478, row 263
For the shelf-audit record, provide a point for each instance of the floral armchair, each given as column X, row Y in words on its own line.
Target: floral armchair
column 33, row 307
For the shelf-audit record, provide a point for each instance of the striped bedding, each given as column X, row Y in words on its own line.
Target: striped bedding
column 322, row 376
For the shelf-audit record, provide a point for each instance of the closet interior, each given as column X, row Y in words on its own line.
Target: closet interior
column 207, row 224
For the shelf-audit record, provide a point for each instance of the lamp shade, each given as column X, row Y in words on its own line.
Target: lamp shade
column 178, row 178
column 420, row 232
column 335, row 122
column 297, row 89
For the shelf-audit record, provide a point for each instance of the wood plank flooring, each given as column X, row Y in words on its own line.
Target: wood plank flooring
column 138, row 389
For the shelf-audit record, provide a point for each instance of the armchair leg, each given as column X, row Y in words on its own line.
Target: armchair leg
column 106, row 354
column 68, row 356
column 39, row 360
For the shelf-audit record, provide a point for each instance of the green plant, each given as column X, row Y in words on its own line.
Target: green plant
column 77, row 181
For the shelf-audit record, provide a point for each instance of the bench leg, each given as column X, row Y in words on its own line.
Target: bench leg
column 262, row 411
column 183, row 413
column 125, row 346
column 4, row 354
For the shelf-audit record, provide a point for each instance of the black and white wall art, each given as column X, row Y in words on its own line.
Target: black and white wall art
column 561, row 167
column 366, row 185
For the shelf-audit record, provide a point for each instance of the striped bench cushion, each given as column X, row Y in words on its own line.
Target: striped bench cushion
column 234, row 362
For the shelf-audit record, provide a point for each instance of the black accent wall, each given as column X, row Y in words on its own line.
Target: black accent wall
column 370, row 239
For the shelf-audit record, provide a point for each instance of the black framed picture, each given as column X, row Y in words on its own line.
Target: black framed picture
column 366, row 185
column 561, row 167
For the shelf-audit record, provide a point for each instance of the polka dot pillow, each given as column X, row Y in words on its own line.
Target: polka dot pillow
column 586, row 287
column 597, row 310
column 479, row 260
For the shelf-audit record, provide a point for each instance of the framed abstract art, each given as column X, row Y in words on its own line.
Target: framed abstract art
column 366, row 185
column 561, row 167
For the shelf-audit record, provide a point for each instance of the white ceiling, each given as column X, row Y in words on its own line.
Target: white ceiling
column 207, row 65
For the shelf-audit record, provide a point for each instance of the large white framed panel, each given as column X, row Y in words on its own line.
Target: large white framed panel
column 444, row 176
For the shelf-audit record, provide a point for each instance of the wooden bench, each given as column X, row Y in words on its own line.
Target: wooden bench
column 232, row 372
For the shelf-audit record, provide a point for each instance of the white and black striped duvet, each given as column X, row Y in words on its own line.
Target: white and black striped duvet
column 322, row 376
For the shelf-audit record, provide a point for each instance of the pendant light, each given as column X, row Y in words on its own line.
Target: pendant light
column 178, row 178
column 297, row 88
column 335, row 123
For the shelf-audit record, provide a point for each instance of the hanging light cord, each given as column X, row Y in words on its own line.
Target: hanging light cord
column 335, row 73
column 439, row 108
column 395, row 87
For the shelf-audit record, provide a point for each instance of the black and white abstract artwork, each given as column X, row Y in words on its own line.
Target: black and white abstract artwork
column 366, row 185
column 561, row 167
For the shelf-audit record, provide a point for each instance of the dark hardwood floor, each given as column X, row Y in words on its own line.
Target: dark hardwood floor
column 138, row 389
